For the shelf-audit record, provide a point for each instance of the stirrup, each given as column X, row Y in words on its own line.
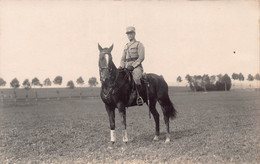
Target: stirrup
column 139, row 101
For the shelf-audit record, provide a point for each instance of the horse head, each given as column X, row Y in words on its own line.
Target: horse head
column 105, row 63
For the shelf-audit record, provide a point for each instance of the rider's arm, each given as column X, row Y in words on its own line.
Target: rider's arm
column 123, row 58
column 140, row 56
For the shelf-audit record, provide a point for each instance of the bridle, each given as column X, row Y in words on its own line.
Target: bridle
column 104, row 68
column 101, row 68
column 113, row 88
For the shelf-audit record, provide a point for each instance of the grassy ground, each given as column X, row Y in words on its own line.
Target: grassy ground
column 211, row 127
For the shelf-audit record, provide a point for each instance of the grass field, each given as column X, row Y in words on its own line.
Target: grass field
column 213, row 127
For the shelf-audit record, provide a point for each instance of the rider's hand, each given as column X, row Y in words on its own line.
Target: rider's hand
column 130, row 68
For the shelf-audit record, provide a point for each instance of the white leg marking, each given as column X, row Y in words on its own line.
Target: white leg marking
column 167, row 140
column 113, row 135
column 156, row 138
column 125, row 138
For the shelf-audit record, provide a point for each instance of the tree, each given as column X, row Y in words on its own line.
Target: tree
column 197, row 81
column 223, row 82
column 219, row 85
column 47, row 82
column 219, row 76
column 70, row 84
column 205, row 81
column 209, row 83
column 2, row 82
column 36, row 82
column 250, row 78
column 235, row 76
column 212, row 79
column 26, row 84
column 188, row 78
column 190, row 81
column 179, row 80
column 92, row 82
column 227, row 81
column 257, row 76
column 80, row 81
column 211, row 86
column 15, row 83
column 57, row 80
column 241, row 78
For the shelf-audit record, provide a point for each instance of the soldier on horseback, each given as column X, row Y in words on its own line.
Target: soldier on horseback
column 117, row 89
column 133, row 56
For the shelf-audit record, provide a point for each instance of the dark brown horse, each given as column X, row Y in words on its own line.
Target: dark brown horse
column 116, row 89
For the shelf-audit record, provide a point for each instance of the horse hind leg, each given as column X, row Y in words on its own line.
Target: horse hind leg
column 166, row 121
column 156, row 119
column 168, row 112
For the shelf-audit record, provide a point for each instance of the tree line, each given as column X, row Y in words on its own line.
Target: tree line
column 27, row 84
column 214, row 82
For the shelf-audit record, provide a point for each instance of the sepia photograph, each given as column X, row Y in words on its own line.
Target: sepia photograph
column 129, row 81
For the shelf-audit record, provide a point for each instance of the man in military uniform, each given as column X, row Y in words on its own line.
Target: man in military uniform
column 133, row 56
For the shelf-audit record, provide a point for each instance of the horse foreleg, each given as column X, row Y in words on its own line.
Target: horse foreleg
column 122, row 112
column 111, row 115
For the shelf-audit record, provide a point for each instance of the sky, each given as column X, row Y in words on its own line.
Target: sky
column 48, row 38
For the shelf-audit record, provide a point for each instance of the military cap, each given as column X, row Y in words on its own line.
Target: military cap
column 130, row 29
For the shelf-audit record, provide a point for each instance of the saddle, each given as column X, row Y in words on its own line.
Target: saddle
column 138, row 96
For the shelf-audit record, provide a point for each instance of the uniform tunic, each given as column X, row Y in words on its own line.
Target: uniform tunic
column 133, row 54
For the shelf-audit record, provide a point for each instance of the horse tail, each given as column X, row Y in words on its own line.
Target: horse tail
column 169, row 108
column 164, row 99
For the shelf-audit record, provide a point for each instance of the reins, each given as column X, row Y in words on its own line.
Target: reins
column 113, row 87
column 123, row 82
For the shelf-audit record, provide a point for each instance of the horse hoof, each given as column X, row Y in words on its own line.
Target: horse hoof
column 156, row 138
column 111, row 145
column 167, row 140
column 125, row 140
column 125, row 145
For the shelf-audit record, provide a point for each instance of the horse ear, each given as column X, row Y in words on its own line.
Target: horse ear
column 111, row 47
column 99, row 47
